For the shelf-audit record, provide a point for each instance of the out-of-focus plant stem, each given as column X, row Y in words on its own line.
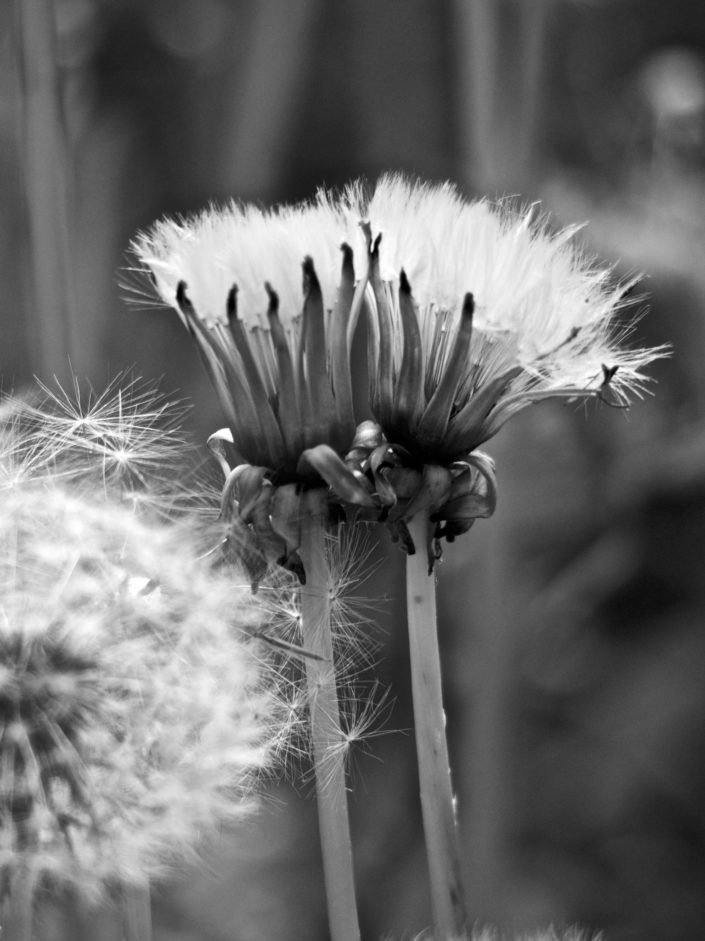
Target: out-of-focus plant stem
column 487, row 733
column 326, row 733
column 264, row 94
column 499, row 113
column 477, row 33
column 16, row 912
column 46, row 173
column 137, row 912
column 534, row 37
column 437, row 801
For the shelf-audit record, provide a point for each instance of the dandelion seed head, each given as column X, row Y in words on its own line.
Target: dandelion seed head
column 533, row 288
column 136, row 710
column 475, row 310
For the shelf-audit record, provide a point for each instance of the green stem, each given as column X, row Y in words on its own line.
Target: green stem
column 326, row 733
column 437, row 802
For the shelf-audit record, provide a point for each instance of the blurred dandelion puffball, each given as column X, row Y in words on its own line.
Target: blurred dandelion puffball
column 134, row 712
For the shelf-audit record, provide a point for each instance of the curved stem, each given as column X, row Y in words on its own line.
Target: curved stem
column 326, row 733
column 437, row 801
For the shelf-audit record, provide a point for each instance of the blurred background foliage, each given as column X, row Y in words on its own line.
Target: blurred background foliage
column 572, row 623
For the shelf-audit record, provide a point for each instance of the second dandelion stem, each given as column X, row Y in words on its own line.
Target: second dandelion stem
column 326, row 733
column 437, row 803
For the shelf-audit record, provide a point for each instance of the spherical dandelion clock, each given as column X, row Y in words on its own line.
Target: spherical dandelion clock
column 136, row 711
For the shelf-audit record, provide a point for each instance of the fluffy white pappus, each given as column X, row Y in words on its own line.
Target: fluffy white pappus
column 136, row 710
column 533, row 289
column 125, row 440
column 247, row 246
column 538, row 299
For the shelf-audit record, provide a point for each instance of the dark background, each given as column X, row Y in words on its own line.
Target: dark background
column 572, row 623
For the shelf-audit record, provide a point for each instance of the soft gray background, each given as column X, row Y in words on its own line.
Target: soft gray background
column 572, row 623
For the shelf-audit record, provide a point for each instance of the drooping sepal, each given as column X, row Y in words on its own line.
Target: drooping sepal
column 473, row 495
column 241, row 542
column 261, row 521
column 452, row 496
column 324, row 462
column 433, row 493
column 221, row 444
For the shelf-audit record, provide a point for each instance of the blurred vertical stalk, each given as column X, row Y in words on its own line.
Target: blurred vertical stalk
column 326, row 733
column 16, row 911
column 501, row 59
column 276, row 59
column 437, row 800
column 46, row 173
column 487, row 738
column 137, row 912
column 533, row 33
column 477, row 31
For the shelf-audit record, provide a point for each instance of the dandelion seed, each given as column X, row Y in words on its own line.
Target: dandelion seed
column 366, row 711
column 125, row 440
column 349, row 550
column 354, row 646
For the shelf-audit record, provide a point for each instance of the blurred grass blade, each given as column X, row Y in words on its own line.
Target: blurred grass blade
column 137, row 912
column 50, row 332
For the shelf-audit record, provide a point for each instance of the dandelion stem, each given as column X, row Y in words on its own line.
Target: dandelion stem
column 326, row 733
column 437, row 802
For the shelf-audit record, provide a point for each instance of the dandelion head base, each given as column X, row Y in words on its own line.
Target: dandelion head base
column 452, row 496
column 262, row 517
